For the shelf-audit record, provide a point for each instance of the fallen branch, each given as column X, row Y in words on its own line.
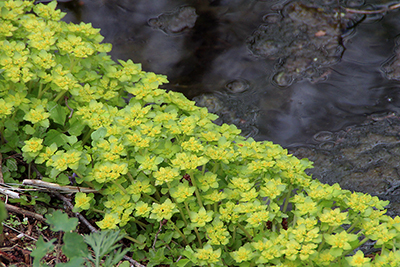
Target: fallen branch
column 77, row 214
column 370, row 12
column 57, row 187
column 25, row 212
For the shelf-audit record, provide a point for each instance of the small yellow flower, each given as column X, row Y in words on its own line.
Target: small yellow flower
column 33, row 145
column 142, row 209
column 166, row 175
column 243, row 254
column 5, row 108
column 340, row 240
column 37, row 114
column 110, row 221
column 218, row 233
column 182, row 192
column 358, row 259
column 199, row 219
column 334, row 217
column 163, row 211
column 82, row 201
column 207, row 255
column 192, row 145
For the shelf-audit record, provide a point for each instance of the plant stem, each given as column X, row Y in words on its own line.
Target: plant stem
column 196, row 189
column 179, row 208
column 130, row 177
column 87, row 136
column 120, row 187
column 98, row 211
column 354, row 224
column 248, row 235
column 133, row 240
column 179, row 232
column 60, row 94
column 287, row 199
column 195, row 228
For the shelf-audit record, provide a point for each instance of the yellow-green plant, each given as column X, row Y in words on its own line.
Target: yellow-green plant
column 186, row 191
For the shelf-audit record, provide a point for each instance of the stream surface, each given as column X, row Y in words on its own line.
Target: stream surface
column 332, row 96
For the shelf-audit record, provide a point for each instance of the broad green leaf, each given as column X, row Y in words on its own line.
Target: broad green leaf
column 60, row 139
column 57, row 112
column 74, row 246
column 99, row 133
column 72, row 263
column 75, row 126
column 41, row 250
column 183, row 263
column 11, row 125
column 59, row 221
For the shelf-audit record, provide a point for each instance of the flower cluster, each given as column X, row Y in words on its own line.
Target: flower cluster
column 164, row 171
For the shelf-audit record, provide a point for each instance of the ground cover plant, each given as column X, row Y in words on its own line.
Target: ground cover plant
column 183, row 190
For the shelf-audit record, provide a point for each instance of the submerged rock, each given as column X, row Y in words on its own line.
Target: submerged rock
column 304, row 42
column 175, row 21
column 364, row 158
column 231, row 109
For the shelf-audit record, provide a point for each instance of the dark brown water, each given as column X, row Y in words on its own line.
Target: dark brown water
column 208, row 53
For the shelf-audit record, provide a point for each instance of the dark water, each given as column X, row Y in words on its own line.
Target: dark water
column 209, row 56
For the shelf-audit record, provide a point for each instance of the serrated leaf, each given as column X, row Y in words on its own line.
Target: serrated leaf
column 59, row 221
column 41, row 250
column 74, row 246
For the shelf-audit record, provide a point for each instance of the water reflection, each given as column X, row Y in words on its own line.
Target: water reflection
column 207, row 56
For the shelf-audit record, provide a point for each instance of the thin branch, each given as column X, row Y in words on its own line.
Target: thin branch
column 25, row 212
column 8, row 192
column 77, row 214
column 369, row 12
column 6, row 225
column 57, row 187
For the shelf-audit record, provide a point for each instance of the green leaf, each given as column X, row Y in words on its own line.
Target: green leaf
column 11, row 164
column 41, row 250
column 183, row 263
column 11, row 125
column 99, row 133
column 74, row 246
column 28, row 129
column 157, row 257
column 59, row 221
column 75, row 126
column 103, row 242
column 60, row 139
column 63, row 179
column 57, row 112
column 72, row 263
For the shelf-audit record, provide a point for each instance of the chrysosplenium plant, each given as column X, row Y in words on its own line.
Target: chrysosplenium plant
column 186, row 191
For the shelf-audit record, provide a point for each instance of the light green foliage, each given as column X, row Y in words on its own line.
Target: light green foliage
column 180, row 186
column 75, row 247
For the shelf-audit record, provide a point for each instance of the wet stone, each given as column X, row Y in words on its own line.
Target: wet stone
column 237, row 86
column 364, row 158
column 304, row 42
column 175, row 21
column 231, row 109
